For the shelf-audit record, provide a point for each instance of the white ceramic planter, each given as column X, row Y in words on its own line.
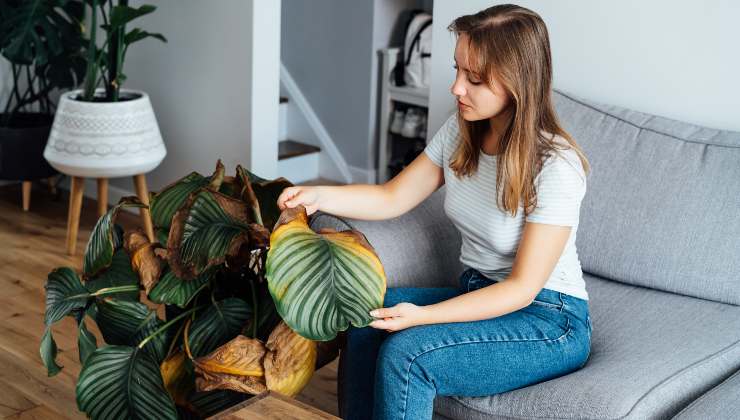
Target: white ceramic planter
column 105, row 139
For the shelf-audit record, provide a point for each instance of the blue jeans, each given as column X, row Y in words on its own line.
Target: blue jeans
column 397, row 375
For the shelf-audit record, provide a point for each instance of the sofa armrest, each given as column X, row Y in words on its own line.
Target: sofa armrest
column 420, row 248
column 720, row 402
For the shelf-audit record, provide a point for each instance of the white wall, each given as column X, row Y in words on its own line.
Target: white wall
column 676, row 59
column 6, row 82
column 214, row 86
column 330, row 49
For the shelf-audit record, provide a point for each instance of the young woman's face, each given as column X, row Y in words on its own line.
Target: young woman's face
column 476, row 100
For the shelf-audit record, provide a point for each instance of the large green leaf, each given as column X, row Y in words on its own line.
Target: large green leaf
column 128, row 323
column 217, row 324
column 173, row 290
column 48, row 351
column 103, row 241
column 119, row 273
column 119, row 382
column 121, row 15
column 322, row 282
column 35, row 31
column 209, row 228
column 65, row 294
column 137, row 34
column 165, row 203
column 86, row 341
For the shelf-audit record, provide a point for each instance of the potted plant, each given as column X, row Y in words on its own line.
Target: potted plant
column 111, row 118
column 42, row 42
column 248, row 291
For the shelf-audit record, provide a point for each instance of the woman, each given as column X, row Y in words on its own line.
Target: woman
column 514, row 185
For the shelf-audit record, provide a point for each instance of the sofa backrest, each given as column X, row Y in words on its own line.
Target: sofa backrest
column 662, row 206
column 420, row 248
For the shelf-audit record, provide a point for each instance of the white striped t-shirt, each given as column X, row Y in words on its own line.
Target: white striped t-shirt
column 490, row 237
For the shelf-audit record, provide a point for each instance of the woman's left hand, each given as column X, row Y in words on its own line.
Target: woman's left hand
column 399, row 317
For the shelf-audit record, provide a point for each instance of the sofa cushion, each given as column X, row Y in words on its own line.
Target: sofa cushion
column 652, row 353
column 418, row 248
column 662, row 208
column 721, row 402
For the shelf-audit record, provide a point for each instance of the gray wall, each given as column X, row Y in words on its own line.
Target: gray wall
column 675, row 59
column 202, row 85
column 196, row 84
column 326, row 47
column 6, row 81
column 330, row 48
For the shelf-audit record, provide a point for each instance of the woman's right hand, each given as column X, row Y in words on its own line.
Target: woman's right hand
column 308, row 196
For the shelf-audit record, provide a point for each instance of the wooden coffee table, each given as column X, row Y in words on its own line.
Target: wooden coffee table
column 271, row 405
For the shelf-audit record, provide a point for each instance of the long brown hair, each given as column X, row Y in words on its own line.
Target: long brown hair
column 510, row 43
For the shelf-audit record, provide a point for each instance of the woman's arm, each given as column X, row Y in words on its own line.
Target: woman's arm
column 370, row 202
column 540, row 248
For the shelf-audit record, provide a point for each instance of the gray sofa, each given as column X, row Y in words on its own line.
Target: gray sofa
column 659, row 243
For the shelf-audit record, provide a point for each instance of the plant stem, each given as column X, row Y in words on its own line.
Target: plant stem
column 116, row 289
column 92, row 66
column 167, row 325
column 16, row 78
column 174, row 340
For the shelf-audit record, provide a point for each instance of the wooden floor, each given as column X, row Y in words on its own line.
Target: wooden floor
column 31, row 245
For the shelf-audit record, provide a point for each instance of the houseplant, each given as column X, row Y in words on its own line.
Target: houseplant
column 227, row 264
column 42, row 42
column 103, row 153
column 106, row 132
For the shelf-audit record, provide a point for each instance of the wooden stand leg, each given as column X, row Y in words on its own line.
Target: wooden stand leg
column 102, row 196
column 73, row 217
column 143, row 193
column 26, row 195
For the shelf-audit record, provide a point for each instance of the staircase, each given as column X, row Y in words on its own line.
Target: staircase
column 297, row 161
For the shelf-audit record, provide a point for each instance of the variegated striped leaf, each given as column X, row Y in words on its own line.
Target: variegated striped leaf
column 209, row 228
column 118, row 273
column 103, row 239
column 322, row 282
column 124, row 322
column 65, row 295
column 173, row 290
column 119, row 382
column 165, row 203
column 216, row 325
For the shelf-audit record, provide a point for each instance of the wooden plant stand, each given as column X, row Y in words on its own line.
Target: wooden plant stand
column 75, row 207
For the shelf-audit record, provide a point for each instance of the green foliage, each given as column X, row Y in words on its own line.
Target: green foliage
column 42, row 40
column 212, row 282
column 105, row 64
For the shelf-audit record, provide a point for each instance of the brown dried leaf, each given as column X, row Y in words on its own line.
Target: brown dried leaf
column 175, row 375
column 289, row 362
column 249, row 384
column 240, row 356
column 144, row 261
column 237, row 365
column 256, row 235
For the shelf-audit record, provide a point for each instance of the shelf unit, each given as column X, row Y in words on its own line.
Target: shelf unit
column 389, row 94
